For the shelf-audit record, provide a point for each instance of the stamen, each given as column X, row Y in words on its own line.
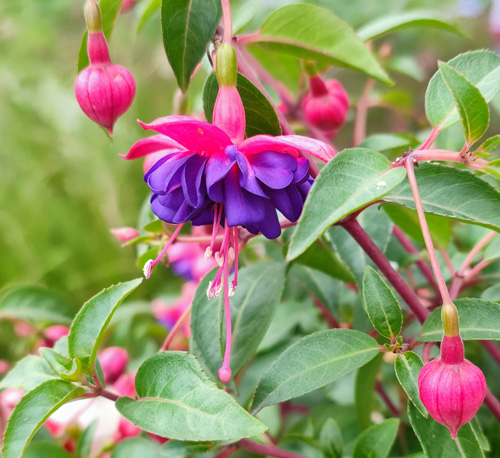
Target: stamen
column 234, row 283
column 148, row 267
column 217, row 217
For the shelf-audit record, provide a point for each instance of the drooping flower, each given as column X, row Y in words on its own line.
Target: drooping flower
column 452, row 388
column 103, row 90
column 221, row 179
column 326, row 104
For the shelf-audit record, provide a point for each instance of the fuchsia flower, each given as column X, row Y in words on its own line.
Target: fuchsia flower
column 452, row 388
column 221, row 179
column 125, row 234
column 326, row 104
column 113, row 360
column 103, row 90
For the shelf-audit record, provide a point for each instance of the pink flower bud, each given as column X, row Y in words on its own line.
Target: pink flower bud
column 326, row 104
column 54, row 333
column 127, row 429
column 103, row 90
column 125, row 385
column 452, row 388
column 113, row 361
column 125, row 234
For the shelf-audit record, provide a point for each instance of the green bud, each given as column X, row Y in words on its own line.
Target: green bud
column 449, row 314
column 227, row 65
column 93, row 16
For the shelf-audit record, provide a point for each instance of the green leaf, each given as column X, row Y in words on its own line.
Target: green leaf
column 182, row 449
column 69, row 369
column 457, row 194
column 313, row 362
column 45, row 450
column 489, row 145
column 400, row 21
column 479, row 320
column 436, row 441
column 110, row 10
column 260, row 115
column 32, row 411
column 85, row 441
column 480, row 436
column 311, row 32
column 91, row 321
column 173, row 385
column 407, row 367
column 137, row 446
column 385, row 142
column 36, row 304
column 330, row 439
column 376, row 441
column 472, row 108
column 252, row 309
column 364, row 390
column 188, row 26
column 351, row 180
column 407, row 221
column 381, row 305
column 27, row 374
column 146, row 14
column 481, row 68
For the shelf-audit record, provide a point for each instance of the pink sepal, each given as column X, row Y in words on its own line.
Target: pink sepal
column 152, row 145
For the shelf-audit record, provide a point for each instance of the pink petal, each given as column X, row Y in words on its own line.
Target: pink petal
column 287, row 144
column 196, row 136
column 152, row 145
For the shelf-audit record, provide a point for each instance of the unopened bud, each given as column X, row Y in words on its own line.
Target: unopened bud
column 326, row 104
column 53, row 333
column 113, row 361
column 452, row 388
column 125, row 234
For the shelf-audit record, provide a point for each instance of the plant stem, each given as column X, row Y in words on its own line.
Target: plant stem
column 493, row 349
column 227, row 21
column 493, row 404
column 175, row 329
column 329, row 318
column 430, row 139
column 268, row 450
column 388, row 401
column 362, row 112
column 422, row 265
column 230, row 450
column 373, row 251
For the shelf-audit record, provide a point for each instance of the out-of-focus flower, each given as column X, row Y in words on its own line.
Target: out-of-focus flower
column 125, row 234
column 113, row 361
column 53, row 333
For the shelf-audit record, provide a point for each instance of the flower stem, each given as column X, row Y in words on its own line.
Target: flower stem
column 175, row 329
column 227, row 21
column 266, row 450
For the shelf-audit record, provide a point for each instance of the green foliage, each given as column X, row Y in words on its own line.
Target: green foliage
column 407, row 367
column 252, row 308
column 437, row 442
column 331, row 40
column 350, row 181
column 69, row 369
column 364, row 390
column 137, row 446
column 479, row 320
column 27, row 374
column 173, row 385
column 311, row 363
column 401, row 21
column 85, row 442
column 88, row 327
column 376, row 441
column 187, row 27
column 260, row 116
column 32, row 411
column 381, row 305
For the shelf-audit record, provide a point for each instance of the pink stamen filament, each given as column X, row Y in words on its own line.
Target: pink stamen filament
column 149, row 266
column 236, row 247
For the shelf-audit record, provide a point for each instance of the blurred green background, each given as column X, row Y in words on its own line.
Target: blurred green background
column 63, row 184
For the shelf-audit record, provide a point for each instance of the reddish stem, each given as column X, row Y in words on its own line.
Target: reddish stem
column 362, row 112
column 493, row 349
column 329, row 318
column 493, row 404
column 422, row 265
column 388, row 401
column 430, row 139
column 175, row 329
column 268, row 450
column 230, row 450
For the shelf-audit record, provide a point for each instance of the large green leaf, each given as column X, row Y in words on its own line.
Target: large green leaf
column 260, row 115
column 188, row 27
column 364, row 390
column 252, row 309
column 36, row 304
column 313, row 362
column 184, row 449
column 376, row 441
column 27, row 374
column 407, row 367
column 137, row 446
column 146, row 14
column 457, row 194
column 87, row 328
column 310, row 32
column 472, row 108
column 381, row 305
column 400, row 21
column 479, row 320
column 110, row 10
column 32, row 411
column 45, row 450
column 437, row 442
column 180, row 402
column 481, row 68
column 351, row 180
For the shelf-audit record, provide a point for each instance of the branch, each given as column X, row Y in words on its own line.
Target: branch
column 266, row 450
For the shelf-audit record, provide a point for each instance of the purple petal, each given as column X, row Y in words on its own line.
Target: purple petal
column 270, row 225
column 192, row 174
column 301, row 173
column 289, row 202
column 247, row 177
column 273, row 169
column 217, row 168
column 159, row 177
